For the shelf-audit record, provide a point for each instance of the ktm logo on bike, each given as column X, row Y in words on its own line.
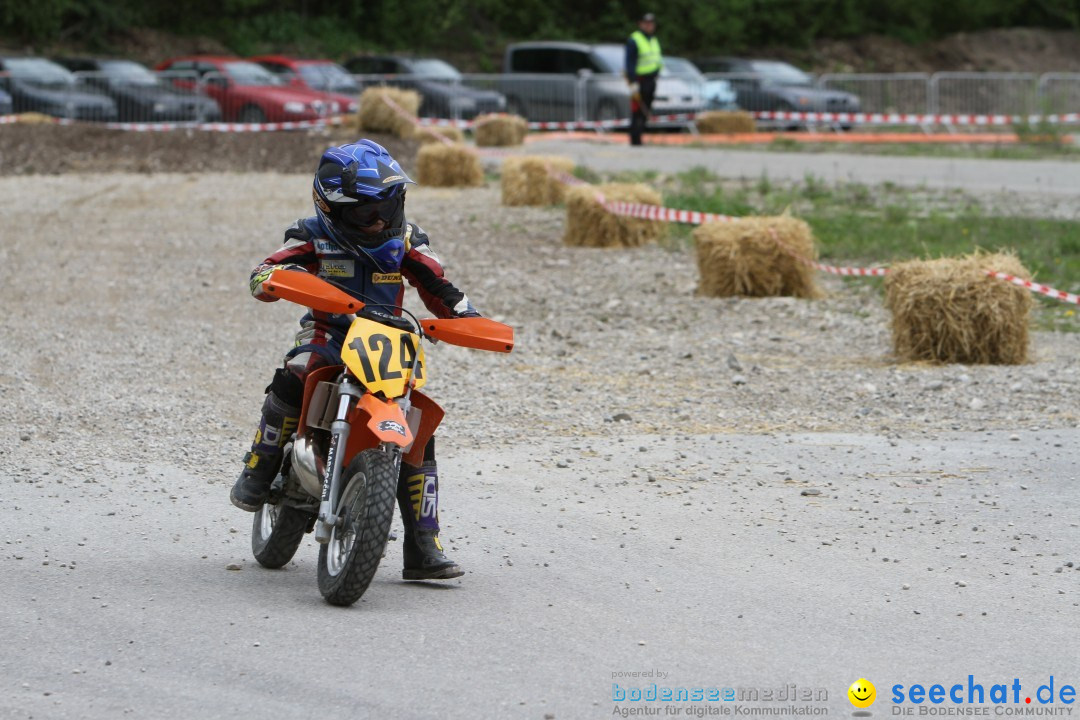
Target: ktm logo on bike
column 392, row 426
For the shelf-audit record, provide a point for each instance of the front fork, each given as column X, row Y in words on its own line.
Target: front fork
column 339, row 438
column 328, row 517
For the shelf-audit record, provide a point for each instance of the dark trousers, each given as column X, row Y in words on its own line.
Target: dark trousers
column 647, row 88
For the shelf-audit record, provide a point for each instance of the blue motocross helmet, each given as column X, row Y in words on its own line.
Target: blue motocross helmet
column 359, row 195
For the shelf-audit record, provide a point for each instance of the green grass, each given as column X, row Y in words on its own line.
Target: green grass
column 863, row 225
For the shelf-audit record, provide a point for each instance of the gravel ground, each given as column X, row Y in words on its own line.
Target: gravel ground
column 82, row 149
column 150, row 272
column 744, row 492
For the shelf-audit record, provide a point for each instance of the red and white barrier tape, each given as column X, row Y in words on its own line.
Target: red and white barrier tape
column 564, row 124
column 880, row 271
column 206, row 127
column 401, row 112
column 1037, row 287
column 822, row 117
column 693, row 217
column 777, row 115
column 914, row 119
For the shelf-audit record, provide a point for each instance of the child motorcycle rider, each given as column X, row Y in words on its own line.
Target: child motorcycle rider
column 360, row 240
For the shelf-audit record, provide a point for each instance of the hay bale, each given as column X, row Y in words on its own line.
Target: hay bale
column 589, row 224
column 34, row 118
column 377, row 116
column 500, row 130
column 350, row 122
column 526, row 180
column 425, row 134
column 744, row 257
column 949, row 310
column 725, row 121
column 440, row 165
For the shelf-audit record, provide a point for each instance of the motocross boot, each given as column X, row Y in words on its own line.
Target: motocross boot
column 418, row 499
column 263, row 461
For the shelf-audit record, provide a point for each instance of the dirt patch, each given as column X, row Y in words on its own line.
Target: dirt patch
column 52, row 150
column 1007, row 50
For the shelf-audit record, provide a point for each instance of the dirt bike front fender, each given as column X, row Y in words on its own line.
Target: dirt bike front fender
column 385, row 421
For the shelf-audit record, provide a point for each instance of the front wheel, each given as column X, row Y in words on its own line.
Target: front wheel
column 348, row 562
column 276, row 533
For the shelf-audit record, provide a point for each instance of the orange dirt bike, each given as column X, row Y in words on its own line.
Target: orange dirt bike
column 358, row 422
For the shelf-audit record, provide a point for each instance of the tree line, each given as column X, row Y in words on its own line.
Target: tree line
column 484, row 26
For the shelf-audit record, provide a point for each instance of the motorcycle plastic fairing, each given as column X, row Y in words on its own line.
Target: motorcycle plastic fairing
column 310, row 291
column 386, row 421
column 424, row 417
column 327, row 374
column 473, row 332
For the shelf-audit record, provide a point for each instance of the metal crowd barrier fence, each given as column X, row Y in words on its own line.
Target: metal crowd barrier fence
column 189, row 97
column 883, row 92
column 963, row 93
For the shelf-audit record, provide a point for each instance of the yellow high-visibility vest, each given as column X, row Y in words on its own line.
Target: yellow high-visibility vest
column 648, row 53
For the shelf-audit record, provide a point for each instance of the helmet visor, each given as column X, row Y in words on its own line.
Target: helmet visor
column 365, row 215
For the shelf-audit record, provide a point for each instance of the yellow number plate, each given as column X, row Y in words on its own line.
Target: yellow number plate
column 383, row 358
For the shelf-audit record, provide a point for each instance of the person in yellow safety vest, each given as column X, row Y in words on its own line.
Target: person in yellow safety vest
column 643, row 63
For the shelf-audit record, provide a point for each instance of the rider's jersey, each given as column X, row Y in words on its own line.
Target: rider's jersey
column 306, row 245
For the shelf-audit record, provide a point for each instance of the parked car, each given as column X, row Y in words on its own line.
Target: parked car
column 442, row 90
column 715, row 94
column 322, row 76
column 559, row 81
column 763, row 85
column 139, row 94
column 6, row 106
column 246, row 91
column 40, row 85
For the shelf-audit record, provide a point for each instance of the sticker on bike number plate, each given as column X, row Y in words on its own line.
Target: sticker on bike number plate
column 392, row 426
column 383, row 358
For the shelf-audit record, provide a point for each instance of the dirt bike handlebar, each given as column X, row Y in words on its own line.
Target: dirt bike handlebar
column 311, row 291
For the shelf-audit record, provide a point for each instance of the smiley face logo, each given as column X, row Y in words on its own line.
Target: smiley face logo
column 862, row 693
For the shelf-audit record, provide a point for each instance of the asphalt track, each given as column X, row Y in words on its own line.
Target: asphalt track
column 755, row 561
column 1055, row 179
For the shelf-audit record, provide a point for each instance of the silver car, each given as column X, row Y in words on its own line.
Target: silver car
column 568, row 81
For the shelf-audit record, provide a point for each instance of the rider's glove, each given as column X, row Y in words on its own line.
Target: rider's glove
column 258, row 280
column 464, row 309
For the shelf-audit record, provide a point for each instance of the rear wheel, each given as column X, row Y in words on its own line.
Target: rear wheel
column 348, row 562
column 276, row 533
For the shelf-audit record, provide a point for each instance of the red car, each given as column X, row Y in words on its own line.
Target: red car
column 323, row 76
column 246, row 91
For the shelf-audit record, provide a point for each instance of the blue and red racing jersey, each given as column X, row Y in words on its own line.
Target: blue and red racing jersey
column 306, row 245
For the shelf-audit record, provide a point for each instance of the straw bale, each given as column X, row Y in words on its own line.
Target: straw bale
column 377, row 116
column 753, row 257
column 589, row 224
column 34, row 118
column 431, row 133
column 526, row 180
column 949, row 310
column 500, row 130
column 725, row 121
column 440, row 165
